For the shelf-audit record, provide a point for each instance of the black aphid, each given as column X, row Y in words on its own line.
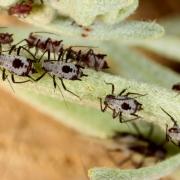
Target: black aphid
column 122, row 104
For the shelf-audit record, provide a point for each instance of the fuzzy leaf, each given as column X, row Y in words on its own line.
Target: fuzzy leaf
column 168, row 45
column 133, row 30
column 150, row 173
column 46, row 18
column 133, row 65
column 85, row 12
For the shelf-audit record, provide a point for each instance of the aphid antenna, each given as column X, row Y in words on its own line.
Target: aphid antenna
column 174, row 121
column 22, row 47
column 3, row 27
column 44, row 32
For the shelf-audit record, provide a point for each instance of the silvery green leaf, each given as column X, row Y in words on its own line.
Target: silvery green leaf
column 130, row 64
column 85, row 12
column 89, row 89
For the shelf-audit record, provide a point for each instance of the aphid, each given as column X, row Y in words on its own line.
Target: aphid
column 44, row 44
column 88, row 59
column 23, row 8
column 63, row 70
column 173, row 133
column 122, row 103
column 137, row 144
column 17, row 65
column 5, row 39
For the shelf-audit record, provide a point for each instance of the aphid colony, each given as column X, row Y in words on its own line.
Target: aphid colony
column 68, row 63
column 65, row 64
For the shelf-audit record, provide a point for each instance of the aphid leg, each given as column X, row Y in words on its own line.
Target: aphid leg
column 115, row 114
column 4, row 76
column 12, row 49
column 13, row 80
column 101, row 105
column 124, row 121
column 43, row 56
column 123, row 91
column 173, row 120
column 64, row 87
column 37, row 79
column 112, row 91
column 54, row 82
column 60, row 55
column 167, row 136
column 21, row 47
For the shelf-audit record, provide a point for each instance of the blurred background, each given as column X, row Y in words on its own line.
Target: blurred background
column 34, row 146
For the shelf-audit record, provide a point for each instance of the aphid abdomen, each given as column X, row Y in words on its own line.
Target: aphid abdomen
column 122, row 104
column 61, row 69
column 15, row 64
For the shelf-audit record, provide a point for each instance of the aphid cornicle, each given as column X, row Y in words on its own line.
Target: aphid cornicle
column 122, row 104
column 173, row 133
column 139, row 143
column 17, row 65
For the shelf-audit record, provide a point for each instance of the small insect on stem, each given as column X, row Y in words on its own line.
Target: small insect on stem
column 139, row 143
column 17, row 65
column 62, row 70
column 173, row 133
column 88, row 58
column 122, row 104
column 43, row 43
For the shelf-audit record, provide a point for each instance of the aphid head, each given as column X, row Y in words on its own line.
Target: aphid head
column 108, row 98
column 176, row 87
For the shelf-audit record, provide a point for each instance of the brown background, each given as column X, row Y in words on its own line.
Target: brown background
column 34, row 146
